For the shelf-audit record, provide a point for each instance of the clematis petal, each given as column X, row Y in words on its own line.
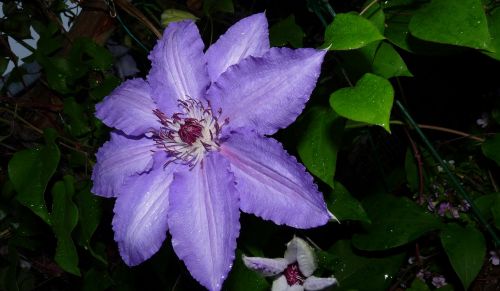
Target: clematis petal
column 118, row 159
column 301, row 252
column 140, row 221
column 129, row 108
column 271, row 183
column 247, row 37
column 280, row 284
column 269, row 92
column 265, row 266
column 315, row 283
column 178, row 66
column 204, row 219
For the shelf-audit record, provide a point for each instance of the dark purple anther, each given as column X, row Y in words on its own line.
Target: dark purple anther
column 190, row 131
column 293, row 275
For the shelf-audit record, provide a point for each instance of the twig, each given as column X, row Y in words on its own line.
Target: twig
column 368, row 7
column 432, row 127
column 418, row 158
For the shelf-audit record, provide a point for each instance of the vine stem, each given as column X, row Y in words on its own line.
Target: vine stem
column 66, row 140
column 368, row 7
column 431, row 127
column 451, row 177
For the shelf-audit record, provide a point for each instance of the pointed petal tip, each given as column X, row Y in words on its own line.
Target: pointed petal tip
column 333, row 217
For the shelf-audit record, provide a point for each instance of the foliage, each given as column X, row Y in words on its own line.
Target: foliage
column 399, row 214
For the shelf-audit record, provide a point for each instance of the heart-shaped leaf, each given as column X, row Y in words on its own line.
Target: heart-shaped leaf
column 395, row 222
column 466, row 249
column 344, row 206
column 465, row 26
column 320, row 142
column 30, row 171
column 369, row 101
column 350, row 31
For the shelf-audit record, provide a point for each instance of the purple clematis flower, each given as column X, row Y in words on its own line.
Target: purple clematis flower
column 189, row 150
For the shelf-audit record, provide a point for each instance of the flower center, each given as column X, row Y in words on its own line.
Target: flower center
column 293, row 275
column 186, row 136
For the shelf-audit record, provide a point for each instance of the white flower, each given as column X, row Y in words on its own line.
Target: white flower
column 294, row 271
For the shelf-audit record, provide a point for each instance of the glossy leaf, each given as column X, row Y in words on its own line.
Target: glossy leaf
column 89, row 214
column 396, row 221
column 491, row 148
column 320, row 142
column 466, row 26
column 418, row 285
column 495, row 210
column 286, row 32
column 96, row 280
column 90, row 53
column 30, row 171
column 173, row 15
column 494, row 27
column 344, row 206
column 369, row 101
column 484, row 204
column 388, row 63
column 78, row 125
column 466, row 249
column 64, row 219
column 363, row 273
column 350, row 31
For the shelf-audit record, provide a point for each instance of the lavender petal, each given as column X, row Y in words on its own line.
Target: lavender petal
column 178, row 67
column 272, row 184
column 299, row 251
column 204, row 220
column 269, row 92
column 129, row 108
column 118, row 159
column 247, row 37
column 140, row 221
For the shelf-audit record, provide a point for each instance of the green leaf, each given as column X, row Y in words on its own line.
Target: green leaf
column 396, row 221
column 350, row 31
column 418, row 285
column 78, row 125
column 30, row 171
column 4, row 62
column 494, row 28
column 320, row 142
column 465, row 26
column 244, row 279
column 89, row 213
column 101, row 89
column 491, row 148
column 286, row 32
column 64, row 218
column 363, row 273
column 388, row 63
column 173, row 15
column 466, row 249
column 369, row 101
column 96, row 280
column 95, row 56
column 495, row 210
column 344, row 206
column 484, row 204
